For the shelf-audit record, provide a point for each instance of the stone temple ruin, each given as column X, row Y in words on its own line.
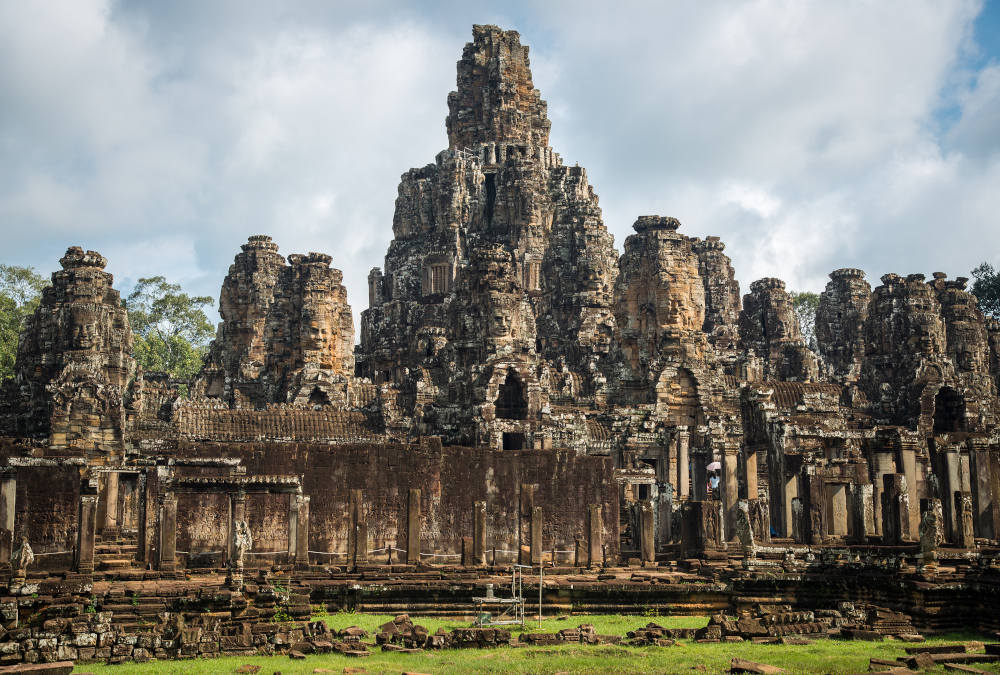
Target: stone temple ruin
column 521, row 393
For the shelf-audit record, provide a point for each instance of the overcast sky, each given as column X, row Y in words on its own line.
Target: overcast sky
column 808, row 135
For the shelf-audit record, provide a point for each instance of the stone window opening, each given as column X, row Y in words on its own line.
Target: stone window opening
column 533, row 275
column 318, row 398
column 949, row 411
column 437, row 278
column 513, row 441
column 491, row 197
column 511, row 402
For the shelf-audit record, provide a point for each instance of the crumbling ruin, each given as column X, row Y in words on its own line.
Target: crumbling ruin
column 520, row 393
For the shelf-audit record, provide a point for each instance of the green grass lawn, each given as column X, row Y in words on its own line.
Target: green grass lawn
column 823, row 656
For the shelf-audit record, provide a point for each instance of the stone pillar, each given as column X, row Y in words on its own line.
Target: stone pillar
column 293, row 526
column 168, row 533
column 237, row 512
column 536, row 535
column 8, row 495
column 479, row 533
column 595, row 536
column 302, row 533
column 673, row 465
column 908, row 467
column 895, row 510
column 86, row 534
column 862, row 512
column 683, row 465
column 966, row 529
column 730, row 488
column 647, row 531
column 110, row 523
column 468, row 559
column 798, row 518
column 664, row 514
column 816, row 518
column 580, row 554
column 752, row 490
column 357, row 535
column 982, row 490
column 413, row 527
column 791, row 493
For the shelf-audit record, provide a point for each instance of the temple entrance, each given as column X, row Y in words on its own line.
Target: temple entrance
column 511, row 403
column 513, row 441
column 949, row 411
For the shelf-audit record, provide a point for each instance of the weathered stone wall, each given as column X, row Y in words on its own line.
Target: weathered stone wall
column 451, row 479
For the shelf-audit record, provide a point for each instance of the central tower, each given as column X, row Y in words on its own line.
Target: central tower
column 498, row 283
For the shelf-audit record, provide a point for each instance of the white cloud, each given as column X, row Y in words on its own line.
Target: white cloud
column 806, row 134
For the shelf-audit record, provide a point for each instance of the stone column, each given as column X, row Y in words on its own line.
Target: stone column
column 595, row 536
column 467, row 557
column 817, row 515
column 302, row 534
column 536, row 535
column 730, row 488
column 908, row 467
column 110, row 523
column 8, row 495
column 580, row 554
column 966, row 529
column 752, row 490
column 683, row 465
column 237, row 512
column 791, row 492
column 982, row 490
column 357, row 536
column 293, row 527
column 863, row 512
column 413, row 527
column 647, row 539
column 664, row 513
column 86, row 534
column 479, row 533
column 168, row 533
column 673, row 465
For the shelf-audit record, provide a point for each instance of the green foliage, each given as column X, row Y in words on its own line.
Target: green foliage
column 986, row 288
column 805, row 305
column 20, row 291
column 171, row 328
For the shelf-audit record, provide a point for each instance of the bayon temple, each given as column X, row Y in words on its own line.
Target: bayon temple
column 521, row 392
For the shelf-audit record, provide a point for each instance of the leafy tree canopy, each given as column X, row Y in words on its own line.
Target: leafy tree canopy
column 171, row 329
column 20, row 291
column 805, row 305
column 986, row 288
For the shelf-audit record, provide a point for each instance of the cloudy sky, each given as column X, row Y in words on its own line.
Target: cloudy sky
column 808, row 135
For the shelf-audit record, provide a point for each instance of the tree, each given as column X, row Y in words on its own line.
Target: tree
column 805, row 305
column 986, row 288
column 170, row 327
column 20, row 291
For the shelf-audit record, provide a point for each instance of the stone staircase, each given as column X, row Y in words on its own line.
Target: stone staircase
column 115, row 552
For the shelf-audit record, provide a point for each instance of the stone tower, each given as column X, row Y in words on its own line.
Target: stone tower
column 770, row 335
column 286, row 336
column 840, row 323
column 499, row 278
column 74, row 362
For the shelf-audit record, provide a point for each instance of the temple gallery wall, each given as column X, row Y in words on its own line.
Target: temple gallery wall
column 521, row 391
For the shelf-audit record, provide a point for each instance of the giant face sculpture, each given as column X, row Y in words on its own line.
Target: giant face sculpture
column 83, row 332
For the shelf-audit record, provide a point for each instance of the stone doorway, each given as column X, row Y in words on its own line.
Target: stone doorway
column 949, row 411
column 512, row 402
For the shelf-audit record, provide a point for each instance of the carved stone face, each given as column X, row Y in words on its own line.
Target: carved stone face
column 83, row 333
column 315, row 336
column 500, row 323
